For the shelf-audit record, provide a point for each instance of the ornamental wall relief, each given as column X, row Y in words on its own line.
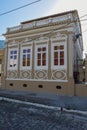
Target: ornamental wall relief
column 58, row 75
column 26, row 74
column 41, row 74
column 12, row 74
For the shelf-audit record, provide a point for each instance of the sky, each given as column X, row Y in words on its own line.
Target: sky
column 40, row 9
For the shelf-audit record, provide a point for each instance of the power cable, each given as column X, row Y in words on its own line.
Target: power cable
column 84, row 24
column 84, row 31
column 83, row 20
column 83, row 16
column 20, row 7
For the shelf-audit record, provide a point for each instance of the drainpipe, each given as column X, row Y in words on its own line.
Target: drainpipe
column 86, row 69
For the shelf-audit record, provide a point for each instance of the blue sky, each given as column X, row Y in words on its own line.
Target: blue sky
column 40, row 9
column 37, row 10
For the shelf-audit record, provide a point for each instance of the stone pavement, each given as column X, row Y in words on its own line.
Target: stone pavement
column 68, row 102
column 15, row 116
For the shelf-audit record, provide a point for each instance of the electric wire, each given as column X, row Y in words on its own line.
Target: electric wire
column 85, row 31
column 20, row 7
column 82, row 20
column 83, row 16
column 39, row 1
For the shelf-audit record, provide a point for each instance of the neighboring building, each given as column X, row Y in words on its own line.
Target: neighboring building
column 44, row 54
column 2, row 54
column 2, row 44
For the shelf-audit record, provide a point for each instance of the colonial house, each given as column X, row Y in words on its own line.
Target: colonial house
column 45, row 54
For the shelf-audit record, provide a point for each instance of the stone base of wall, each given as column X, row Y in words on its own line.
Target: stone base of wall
column 64, row 88
column 81, row 89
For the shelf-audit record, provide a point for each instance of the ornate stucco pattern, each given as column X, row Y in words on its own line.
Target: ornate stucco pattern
column 58, row 75
column 41, row 74
column 25, row 74
column 12, row 74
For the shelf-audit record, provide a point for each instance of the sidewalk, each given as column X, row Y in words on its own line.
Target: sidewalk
column 68, row 102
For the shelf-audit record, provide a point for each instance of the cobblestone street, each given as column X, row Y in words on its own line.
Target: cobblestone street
column 15, row 116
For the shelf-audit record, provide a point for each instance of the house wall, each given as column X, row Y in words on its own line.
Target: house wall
column 29, row 80
column 49, row 31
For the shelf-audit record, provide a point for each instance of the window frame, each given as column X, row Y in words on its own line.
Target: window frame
column 21, row 58
column 36, row 57
column 52, row 55
column 9, row 55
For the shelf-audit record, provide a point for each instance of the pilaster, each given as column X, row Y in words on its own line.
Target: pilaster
column 70, row 56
